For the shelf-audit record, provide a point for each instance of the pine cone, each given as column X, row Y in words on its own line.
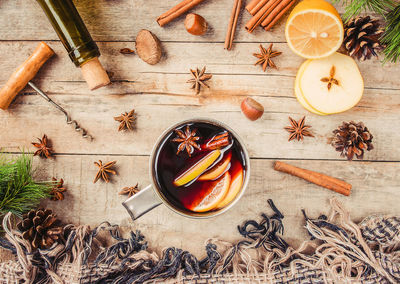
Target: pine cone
column 41, row 228
column 362, row 37
column 352, row 138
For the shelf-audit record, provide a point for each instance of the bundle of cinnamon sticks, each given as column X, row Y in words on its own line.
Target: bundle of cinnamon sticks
column 266, row 13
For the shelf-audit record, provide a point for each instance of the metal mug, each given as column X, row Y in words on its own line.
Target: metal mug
column 151, row 196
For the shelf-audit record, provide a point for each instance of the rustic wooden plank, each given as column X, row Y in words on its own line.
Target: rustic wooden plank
column 180, row 57
column 375, row 190
column 264, row 138
column 121, row 21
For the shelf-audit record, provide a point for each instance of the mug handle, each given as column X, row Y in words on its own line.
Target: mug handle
column 142, row 202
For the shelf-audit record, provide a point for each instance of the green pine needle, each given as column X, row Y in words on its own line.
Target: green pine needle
column 355, row 7
column 391, row 37
column 19, row 192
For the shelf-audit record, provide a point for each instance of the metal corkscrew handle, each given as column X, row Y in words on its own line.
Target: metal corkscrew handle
column 69, row 120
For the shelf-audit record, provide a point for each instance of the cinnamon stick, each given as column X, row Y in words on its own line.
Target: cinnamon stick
column 177, row 11
column 328, row 182
column 230, row 34
column 258, row 7
column 277, row 13
column 252, row 4
column 258, row 18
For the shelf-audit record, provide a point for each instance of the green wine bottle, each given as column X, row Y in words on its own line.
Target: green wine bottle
column 77, row 40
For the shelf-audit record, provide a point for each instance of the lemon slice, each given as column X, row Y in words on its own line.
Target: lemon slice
column 314, row 29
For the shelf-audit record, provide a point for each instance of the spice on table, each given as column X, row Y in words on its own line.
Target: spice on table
column 126, row 51
column 266, row 13
column 148, row 47
column 326, row 181
column 44, row 148
column 57, row 191
column 177, row 11
column 351, row 139
column 233, row 20
column 41, row 228
column 298, row 129
column 362, row 37
column 265, row 57
column 187, row 140
column 130, row 191
column 252, row 109
column 104, row 171
column 126, row 120
column 195, row 24
column 199, row 77
column 331, row 80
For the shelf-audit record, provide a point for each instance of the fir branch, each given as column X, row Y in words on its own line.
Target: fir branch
column 355, row 7
column 19, row 192
column 391, row 37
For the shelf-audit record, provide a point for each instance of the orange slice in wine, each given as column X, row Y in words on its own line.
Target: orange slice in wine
column 235, row 186
column 197, row 169
column 214, row 195
column 218, row 169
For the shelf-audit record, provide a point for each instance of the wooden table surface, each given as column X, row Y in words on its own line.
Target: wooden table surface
column 162, row 97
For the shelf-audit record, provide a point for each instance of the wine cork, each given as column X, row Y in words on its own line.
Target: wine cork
column 94, row 74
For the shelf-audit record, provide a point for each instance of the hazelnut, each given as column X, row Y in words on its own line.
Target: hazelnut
column 252, row 109
column 148, row 47
column 195, row 24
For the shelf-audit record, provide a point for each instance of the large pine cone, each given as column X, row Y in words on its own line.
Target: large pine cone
column 41, row 228
column 352, row 139
column 362, row 37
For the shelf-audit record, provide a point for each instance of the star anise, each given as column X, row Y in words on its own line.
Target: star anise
column 298, row 129
column 331, row 79
column 130, row 191
column 44, row 148
column 265, row 57
column 199, row 77
column 187, row 140
column 127, row 120
column 57, row 192
column 104, row 171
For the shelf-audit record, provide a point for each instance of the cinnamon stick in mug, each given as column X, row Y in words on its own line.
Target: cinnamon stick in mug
column 328, row 182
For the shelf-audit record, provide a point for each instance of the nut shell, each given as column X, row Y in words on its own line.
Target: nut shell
column 148, row 47
column 195, row 24
column 252, row 109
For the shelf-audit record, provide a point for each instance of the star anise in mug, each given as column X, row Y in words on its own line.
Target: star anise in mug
column 44, row 149
column 126, row 120
column 57, row 192
column 298, row 129
column 104, row 171
column 130, row 191
column 199, row 77
column 187, row 140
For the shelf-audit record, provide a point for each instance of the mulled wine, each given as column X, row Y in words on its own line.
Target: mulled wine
column 200, row 167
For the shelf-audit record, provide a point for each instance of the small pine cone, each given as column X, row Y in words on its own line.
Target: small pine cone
column 362, row 37
column 41, row 228
column 352, row 139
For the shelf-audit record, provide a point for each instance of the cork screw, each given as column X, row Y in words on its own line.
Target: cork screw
column 23, row 76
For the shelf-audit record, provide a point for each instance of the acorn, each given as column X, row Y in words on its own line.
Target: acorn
column 252, row 109
column 195, row 24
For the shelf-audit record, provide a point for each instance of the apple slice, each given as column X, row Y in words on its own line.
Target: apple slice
column 214, row 194
column 298, row 93
column 218, row 169
column 235, row 186
column 197, row 169
column 343, row 94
